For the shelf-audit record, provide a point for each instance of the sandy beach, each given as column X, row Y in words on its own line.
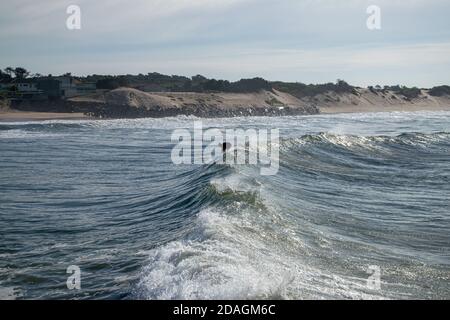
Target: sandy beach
column 13, row 115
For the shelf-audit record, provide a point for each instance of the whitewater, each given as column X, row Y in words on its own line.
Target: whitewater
column 353, row 192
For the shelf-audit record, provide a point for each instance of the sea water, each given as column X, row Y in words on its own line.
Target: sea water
column 359, row 199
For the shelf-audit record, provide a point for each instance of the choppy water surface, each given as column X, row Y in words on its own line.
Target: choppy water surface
column 352, row 191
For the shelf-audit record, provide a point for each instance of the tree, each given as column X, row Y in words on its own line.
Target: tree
column 251, row 85
column 199, row 79
column 409, row 93
column 21, row 73
column 4, row 77
column 343, row 87
column 440, row 91
column 9, row 71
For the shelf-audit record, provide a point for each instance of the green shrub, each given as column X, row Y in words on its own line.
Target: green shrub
column 439, row 91
column 301, row 90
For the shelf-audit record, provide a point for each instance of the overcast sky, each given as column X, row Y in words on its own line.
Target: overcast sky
column 311, row 41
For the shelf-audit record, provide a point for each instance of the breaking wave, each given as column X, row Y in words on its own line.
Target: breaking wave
column 259, row 239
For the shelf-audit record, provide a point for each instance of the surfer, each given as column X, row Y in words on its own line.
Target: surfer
column 225, row 147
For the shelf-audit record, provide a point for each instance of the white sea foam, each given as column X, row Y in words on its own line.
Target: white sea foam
column 220, row 264
column 23, row 134
column 241, row 252
column 9, row 293
column 231, row 256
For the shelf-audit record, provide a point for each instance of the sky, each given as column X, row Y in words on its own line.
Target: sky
column 310, row 41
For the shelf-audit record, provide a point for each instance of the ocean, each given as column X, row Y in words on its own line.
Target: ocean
column 359, row 209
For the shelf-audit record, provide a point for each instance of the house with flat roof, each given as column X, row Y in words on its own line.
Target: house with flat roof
column 71, row 87
column 26, row 86
column 62, row 87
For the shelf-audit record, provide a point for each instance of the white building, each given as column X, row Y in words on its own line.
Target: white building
column 26, row 87
column 71, row 87
column 68, row 86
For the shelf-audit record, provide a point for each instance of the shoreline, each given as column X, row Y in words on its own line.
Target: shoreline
column 21, row 116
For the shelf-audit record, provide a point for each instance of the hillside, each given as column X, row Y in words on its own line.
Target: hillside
column 128, row 102
column 157, row 95
column 365, row 100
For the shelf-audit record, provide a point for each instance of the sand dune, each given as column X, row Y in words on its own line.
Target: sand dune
column 133, row 103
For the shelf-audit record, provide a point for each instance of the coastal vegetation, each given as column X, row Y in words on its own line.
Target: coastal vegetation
column 157, row 82
column 407, row 93
column 301, row 90
column 440, row 91
column 158, row 95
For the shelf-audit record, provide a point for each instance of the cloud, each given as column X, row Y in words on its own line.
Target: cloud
column 33, row 17
column 301, row 40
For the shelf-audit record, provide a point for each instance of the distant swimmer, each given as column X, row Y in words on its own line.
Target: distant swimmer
column 225, row 146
